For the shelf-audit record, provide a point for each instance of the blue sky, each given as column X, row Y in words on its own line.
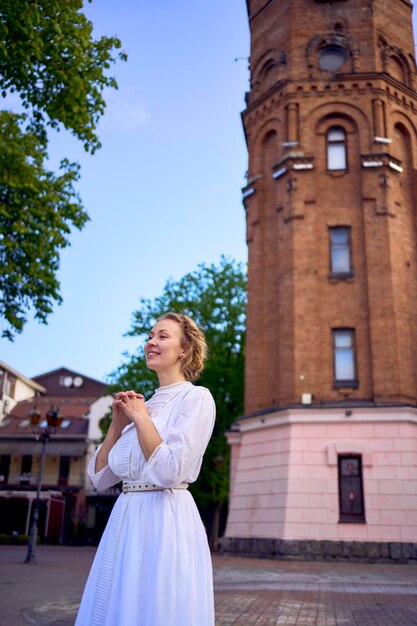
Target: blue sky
column 164, row 192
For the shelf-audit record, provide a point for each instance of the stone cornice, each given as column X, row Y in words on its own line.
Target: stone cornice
column 288, row 91
column 340, row 82
column 262, row 98
column 325, row 415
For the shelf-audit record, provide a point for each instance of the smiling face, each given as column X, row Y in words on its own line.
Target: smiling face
column 163, row 351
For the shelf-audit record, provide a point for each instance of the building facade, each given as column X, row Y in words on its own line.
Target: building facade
column 14, row 387
column 325, row 457
column 68, row 501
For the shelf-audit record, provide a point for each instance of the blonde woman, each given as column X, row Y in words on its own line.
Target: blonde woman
column 153, row 565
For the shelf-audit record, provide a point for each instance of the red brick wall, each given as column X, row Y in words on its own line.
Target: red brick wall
column 293, row 303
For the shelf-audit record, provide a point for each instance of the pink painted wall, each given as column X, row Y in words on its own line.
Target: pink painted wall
column 284, row 480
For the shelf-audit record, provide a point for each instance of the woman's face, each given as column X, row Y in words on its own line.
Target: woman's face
column 164, row 346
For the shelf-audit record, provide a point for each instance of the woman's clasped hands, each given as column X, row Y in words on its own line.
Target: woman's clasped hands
column 128, row 407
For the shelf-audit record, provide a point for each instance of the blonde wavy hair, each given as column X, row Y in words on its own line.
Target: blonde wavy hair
column 193, row 343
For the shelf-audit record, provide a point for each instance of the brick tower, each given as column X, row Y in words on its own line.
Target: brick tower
column 327, row 449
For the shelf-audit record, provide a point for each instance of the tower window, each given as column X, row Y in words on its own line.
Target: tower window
column 344, row 358
column 331, row 58
column 336, row 148
column 351, row 501
column 340, row 252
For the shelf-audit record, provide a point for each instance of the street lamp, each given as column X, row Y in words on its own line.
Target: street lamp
column 43, row 435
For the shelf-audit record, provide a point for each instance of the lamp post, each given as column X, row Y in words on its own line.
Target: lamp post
column 43, row 435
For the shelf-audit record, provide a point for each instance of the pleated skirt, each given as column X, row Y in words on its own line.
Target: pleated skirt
column 152, row 567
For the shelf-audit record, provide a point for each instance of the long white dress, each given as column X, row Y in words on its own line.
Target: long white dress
column 153, row 565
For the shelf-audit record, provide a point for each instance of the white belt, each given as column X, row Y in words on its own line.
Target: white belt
column 136, row 487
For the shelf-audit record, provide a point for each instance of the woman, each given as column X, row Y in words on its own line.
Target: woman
column 153, row 565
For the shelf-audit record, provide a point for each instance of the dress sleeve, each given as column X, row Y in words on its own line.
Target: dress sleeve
column 179, row 457
column 103, row 479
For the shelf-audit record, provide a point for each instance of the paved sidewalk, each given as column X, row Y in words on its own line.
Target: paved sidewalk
column 249, row 592
column 266, row 593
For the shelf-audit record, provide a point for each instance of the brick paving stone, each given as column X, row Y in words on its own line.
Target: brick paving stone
column 260, row 593
column 275, row 608
column 248, row 592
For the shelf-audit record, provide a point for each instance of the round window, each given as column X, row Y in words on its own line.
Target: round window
column 331, row 58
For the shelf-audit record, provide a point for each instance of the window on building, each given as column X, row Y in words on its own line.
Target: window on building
column 351, row 500
column 344, row 358
column 340, row 251
column 336, row 148
column 4, row 468
column 9, row 385
column 331, row 58
column 26, row 469
column 64, row 470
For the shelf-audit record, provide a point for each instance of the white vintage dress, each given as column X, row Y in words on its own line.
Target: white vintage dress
column 153, row 565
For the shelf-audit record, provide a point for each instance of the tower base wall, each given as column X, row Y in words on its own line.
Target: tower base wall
column 303, row 550
column 285, row 484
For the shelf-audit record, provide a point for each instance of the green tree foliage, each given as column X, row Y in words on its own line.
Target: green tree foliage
column 37, row 209
column 58, row 71
column 215, row 297
column 49, row 57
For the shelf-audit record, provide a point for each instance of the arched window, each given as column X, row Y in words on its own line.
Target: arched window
column 396, row 69
column 336, row 148
column 270, row 152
